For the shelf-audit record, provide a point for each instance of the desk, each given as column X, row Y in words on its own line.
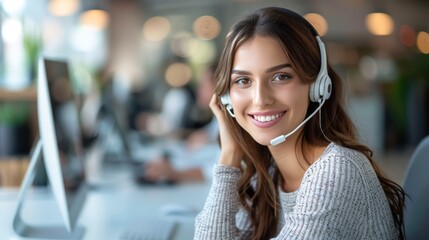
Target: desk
column 29, row 94
column 109, row 207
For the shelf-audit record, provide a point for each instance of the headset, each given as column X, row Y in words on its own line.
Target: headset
column 226, row 101
column 320, row 90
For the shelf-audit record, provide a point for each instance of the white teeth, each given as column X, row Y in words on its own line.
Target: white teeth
column 267, row 118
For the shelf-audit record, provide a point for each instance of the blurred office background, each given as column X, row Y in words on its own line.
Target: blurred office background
column 143, row 48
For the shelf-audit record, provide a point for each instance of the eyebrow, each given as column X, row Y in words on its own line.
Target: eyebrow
column 269, row 70
column 278, row 67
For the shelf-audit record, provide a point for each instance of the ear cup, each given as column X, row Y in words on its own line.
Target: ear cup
column 321, row 88
column 226, row 101
column 326, row 87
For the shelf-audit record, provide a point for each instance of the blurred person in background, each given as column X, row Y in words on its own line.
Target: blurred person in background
column 198, row 150
column 175, row 115
column 210, row 131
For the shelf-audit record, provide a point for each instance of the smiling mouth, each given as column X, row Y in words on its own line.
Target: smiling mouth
column 263, row 119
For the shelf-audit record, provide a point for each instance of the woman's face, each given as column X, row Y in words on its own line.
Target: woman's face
column 268, row 97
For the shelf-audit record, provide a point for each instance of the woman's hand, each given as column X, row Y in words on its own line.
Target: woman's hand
column 231, row 152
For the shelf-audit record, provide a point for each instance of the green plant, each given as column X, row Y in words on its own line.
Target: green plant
column 14, row 113
column 32, row 44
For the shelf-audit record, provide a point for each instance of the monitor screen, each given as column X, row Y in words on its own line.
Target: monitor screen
column 66, row 121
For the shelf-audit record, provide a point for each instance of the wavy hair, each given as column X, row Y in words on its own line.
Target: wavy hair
column 297, row 37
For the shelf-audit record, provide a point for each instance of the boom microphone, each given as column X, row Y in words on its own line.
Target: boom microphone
column 283, row 138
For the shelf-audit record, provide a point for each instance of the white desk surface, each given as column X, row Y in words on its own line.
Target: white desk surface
column 110, row 207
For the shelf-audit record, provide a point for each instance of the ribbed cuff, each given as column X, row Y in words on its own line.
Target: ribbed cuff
column 226, row 174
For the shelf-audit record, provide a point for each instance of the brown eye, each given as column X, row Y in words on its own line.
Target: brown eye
column 242, row 81
column 281, row 77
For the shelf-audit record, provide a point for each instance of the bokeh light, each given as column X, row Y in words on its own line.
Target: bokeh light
column 63, row 7
column 13, row 7
column 407, row 36
column 377, row 68
column 96, row 18
column 178, row 74
column 156, row 28
column 12, row 30
column 206, row 27
column 318, row 22
column 201, row 51
column 380, row 24
column 423, row 42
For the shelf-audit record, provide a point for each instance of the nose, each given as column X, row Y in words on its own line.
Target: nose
column 262, row 95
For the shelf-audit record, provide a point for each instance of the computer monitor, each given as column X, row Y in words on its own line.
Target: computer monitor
column 111, row 121
column 60, row 146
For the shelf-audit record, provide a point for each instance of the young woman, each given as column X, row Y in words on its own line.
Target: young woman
column 291, row 166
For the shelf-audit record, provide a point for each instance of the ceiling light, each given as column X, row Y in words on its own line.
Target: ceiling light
column 318, row 22
column 379, row 23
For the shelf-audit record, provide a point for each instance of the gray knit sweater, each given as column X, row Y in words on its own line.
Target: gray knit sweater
column 340, row 197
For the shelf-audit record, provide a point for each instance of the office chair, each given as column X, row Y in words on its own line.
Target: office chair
column 416, row 186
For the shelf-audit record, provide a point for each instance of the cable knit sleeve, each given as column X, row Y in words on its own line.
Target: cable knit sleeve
column 222, row 212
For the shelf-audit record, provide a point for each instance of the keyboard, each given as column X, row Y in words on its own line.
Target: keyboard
column 149, row 229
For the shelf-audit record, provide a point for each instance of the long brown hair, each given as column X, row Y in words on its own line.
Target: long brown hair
column 297, row 37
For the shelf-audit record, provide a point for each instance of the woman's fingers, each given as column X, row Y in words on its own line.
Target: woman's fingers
column 231, row 153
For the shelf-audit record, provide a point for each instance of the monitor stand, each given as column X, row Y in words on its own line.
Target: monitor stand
column 41, row 232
